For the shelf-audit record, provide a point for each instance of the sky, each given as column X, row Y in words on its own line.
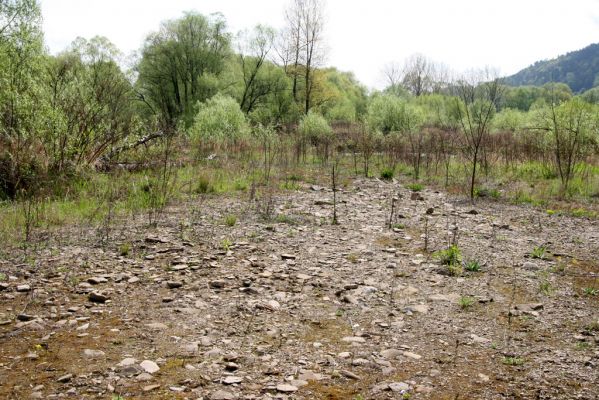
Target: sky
column 362, row 36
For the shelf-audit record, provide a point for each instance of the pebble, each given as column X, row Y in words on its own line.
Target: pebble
column 149, row 366
column 23, row 288
column 286, row 388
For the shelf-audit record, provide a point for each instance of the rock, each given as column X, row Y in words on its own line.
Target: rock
column 231, row 380
column 472, row 212
column 416, row 196
column 144, row 377
column 23, row 288
column 25, row 317
column 483, row 377
column 419, row 308
column 399, row 387
column 89, row 353
column 222, row 395
column 391, row 354
column 174, row 284
column 157, row 326
column 479, row 339
column 286, row 256
column 98, row 297
column 127, row 362
column 430, row 211
column 350, row 375
column 65, row 378
column 286, row 388
column 217, row 284
column 149, row 388
column 530, row 266
column 96, row 280
column 149, row 366
column 350, row 299
column 354, row 339
column 134, row 279
column 411, row 355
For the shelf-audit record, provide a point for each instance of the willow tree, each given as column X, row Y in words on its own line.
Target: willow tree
column 179, row 64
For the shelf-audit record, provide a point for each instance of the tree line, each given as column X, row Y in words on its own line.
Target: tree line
column 195, row 80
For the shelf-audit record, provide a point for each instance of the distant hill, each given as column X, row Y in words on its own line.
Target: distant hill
column 578, row 69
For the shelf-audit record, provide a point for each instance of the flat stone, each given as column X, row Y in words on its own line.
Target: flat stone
column 411, row 355
column 89, row 353
column 391, row 354
column 399, row 387
column 23, row 288
column 354, row 339
column 174, row 284
column 222, row 395
column 96, row 280
column 157, row 326
column 149, row 388
column 286, row 388
column 231, row 380
column 217, row 284
column 65, row 378
column 286, row 256
column 149, row 366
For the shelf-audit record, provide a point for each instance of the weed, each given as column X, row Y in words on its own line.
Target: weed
column 415, row 187
column 226, row 244
column 398, row 226
column 3, row 277
column 588, row 291
column 285, row 219
column 230, row 220
column 582, row 345
column 593, row 326
column 451, row 256
column 466, row 302
column 539, row 252
column 352, row 258
column 387, row 174
column 125, row 249
column 545, row 287
column 472, row 266
column 484, row 192
column 204, row 186
column 513, row 361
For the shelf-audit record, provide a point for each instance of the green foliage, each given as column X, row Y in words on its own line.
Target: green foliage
column 388, row 113
column 179, row 65
column 513, row 361
column 450, row 256
column 576, row 69
column 226, row 244
column 538, row 252
column 315, row 128
column 465, row 302
column 415, row 187
column 219, row 121
column 591, row 291
column 230, row 220
column 125, row 249
column 472, row 266
column 387, row 174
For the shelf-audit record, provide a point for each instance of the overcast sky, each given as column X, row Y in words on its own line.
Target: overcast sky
column 362, row 35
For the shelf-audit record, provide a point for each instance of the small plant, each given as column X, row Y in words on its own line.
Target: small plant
column 551, row 212
column 125, row 249
column 285, row 219
column 352, row 258
column 593, row 326
column 539, row 252
column 466, row 302
column 451, row 256
column 415, row 187
column 117, row 397
column 472, row 266
column 545, row 287
column 582, row 345
column 226, row 244
column 387, row 174
column 230, row 220
column 588, row 291
column 204, row 186
column 398, row 226
column 3, row 277
column 513, row 361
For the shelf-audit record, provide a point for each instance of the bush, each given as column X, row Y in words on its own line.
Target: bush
column 387, row 174
column 315, row 128
column 219, row 120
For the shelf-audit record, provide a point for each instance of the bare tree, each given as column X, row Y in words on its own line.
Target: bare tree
column 417, row 74
column 301, row 47
column 478, row 95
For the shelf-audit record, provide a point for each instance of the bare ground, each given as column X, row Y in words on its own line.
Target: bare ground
column 298, row 308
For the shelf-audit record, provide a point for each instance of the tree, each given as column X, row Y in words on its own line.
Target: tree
column 177, row 64
column 572, row 126
column 303, row 48
column 478, row 95
column 417, row 75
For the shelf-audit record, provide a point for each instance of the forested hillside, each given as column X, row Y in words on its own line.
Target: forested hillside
column 578, row 69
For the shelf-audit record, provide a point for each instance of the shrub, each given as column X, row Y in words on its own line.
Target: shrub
column 315, row 128
column 230, row 220
column 472, row 266
column 387, row 174
column 219, row 120
column 415, row 187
